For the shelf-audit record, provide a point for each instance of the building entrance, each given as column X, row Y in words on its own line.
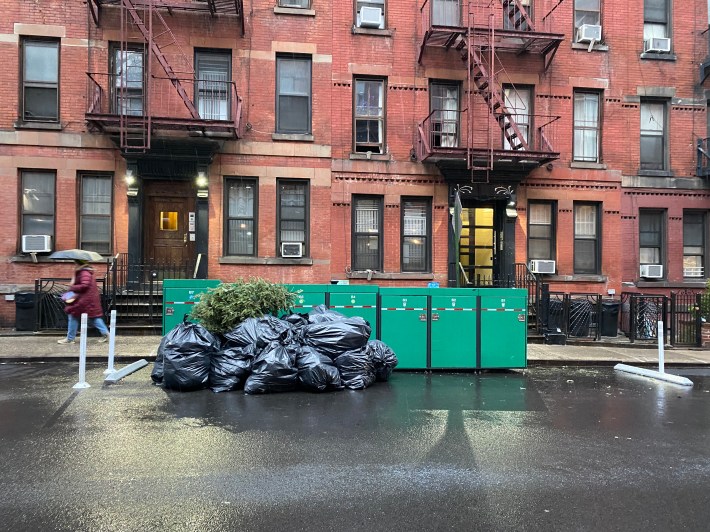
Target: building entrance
column 169, row 222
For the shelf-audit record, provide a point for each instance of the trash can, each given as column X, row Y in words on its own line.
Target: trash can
column 404, row 325
column 610, row 317
column 25, row 311
column 556, row 316
column 179, row 297
column 580, row 317
column 356, row 300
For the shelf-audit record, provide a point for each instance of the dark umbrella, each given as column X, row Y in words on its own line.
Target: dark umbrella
column 77, row 254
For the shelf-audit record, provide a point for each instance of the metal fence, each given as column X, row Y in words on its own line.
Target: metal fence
column 49, row 306
column 574, row 315
column 640, row 314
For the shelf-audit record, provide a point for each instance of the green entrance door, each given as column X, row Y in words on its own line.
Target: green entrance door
column 477, row 245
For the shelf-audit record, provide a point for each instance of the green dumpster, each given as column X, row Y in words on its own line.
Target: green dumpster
column 308, row 296
column 504, row 327
column 454, row 316
column 356, row 300
column 404, row 325
column 179, row 298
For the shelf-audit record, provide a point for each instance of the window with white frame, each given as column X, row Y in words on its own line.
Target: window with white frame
column 369, row 119
column 367, row 253
column 214, row 73
column 513, row 19
column 370, row 14
column 651, row 236
column 298, row 4
column 240, row 227
column 518, row 102
column 95, row 222
column 446, row 13
column 586, row 126
column 656, row 15
column 293, row 217
column 293, row 94
column 541, row 230
column 40, row 80
column 127, row 85
column 444, row 109
column 38, row 203
column 587, row 238
column 587, row 12
column 694, row 237
column 416, row 222
column 654, row 132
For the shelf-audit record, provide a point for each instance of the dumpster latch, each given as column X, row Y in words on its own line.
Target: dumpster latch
column 434, row 317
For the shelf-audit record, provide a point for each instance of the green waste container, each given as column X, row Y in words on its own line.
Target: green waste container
column 404, row 325
column 179, row 296
column 504, row 326
column 454, row 316
column 308, row 296
column 356, row 300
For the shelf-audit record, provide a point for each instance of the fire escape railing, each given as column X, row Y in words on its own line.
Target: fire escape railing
column 703, row 158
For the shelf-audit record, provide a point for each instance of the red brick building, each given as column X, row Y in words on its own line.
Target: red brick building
column 311, row 141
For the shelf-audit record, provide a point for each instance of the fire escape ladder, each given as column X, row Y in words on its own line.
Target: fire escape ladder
column 157, row 50
column 492, row 95
column 518, row 15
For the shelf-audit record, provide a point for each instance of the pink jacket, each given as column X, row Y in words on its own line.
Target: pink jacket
column 87, row 294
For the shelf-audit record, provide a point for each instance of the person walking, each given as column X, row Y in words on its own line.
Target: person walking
column 85, row 299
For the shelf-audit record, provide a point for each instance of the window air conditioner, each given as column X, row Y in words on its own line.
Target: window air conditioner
column 652, row 271
column 370, row 17
column 589, row 33
column 36, row 243
column 657, row 44
column 292, row 250
column 542, row 266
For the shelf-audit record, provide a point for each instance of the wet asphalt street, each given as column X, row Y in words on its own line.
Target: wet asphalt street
column 545, row 449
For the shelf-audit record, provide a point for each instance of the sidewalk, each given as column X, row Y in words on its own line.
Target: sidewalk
column 43, row 347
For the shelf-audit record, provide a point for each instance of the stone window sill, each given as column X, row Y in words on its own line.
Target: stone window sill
column 588, row 166
column 49, row 126
column 655, row 173
column 658, row 57
column 670, row 284
column 266, row 261
column 585, row 47
column 294, row 137
column 373, row 31
column 391, row 276
column 294, row 11
column 370, row 157
column 577, row 278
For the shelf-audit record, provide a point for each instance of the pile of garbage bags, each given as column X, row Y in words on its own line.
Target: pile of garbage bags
column 320, row 351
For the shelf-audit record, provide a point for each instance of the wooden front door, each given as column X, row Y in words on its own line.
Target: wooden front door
column 169, row 235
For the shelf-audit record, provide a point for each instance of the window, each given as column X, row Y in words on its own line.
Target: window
column 213, row 90
column 416, row 224
column 541, row 230
column 40, row 81
column 95, row 215
column 292, row 219
column 694, row 229
column 367, row 233
column 587, row 248
column 518, row 102
column 300, row 4
column 515, row 19
column 370, row 18
column 587, row 12
column 655, row 19
column 653, row 135
column 445, row 115
column 586, row 126
column 38, row 189
column 369, row 119
column 293, row 94
column 651, row 241
column 446, row 13
column 127, row 85
column 241, row 208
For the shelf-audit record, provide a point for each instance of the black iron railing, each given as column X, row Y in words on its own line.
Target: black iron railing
column 640, row 314
column 49, row 306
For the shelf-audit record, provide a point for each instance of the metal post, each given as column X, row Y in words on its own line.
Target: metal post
column 661, row 361
column 111, row 344
column 82, row 356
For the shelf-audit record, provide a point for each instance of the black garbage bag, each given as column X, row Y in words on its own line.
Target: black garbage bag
column 186, row 357
column 296, row 320
column 316, row 372
column 157, row 374
column 333, row 338
column 356, row 368
column 274, row 370
column 259, row 332
column 230, row 367
column 321, row 314
column 383, row 358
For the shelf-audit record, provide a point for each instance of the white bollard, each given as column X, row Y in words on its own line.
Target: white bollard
column 111, row 343
column 661, row 354
column 82, row 356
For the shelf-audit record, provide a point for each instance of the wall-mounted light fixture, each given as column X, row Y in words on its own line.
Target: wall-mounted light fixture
column 202, row 182
column 131, row 179
column 511, row 207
